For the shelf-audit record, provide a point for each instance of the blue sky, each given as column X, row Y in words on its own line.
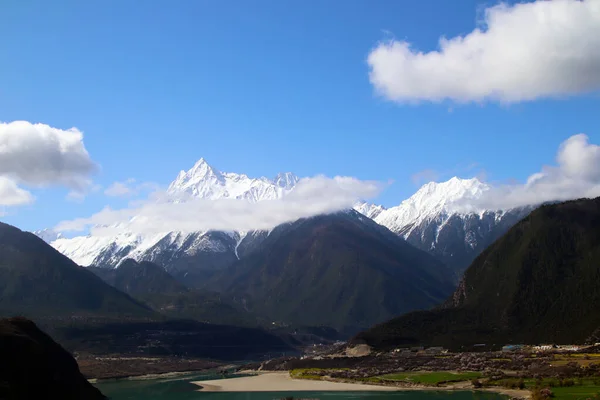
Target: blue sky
column 258, row 87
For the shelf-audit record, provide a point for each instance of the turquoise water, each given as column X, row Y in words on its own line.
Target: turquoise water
column 180, row 388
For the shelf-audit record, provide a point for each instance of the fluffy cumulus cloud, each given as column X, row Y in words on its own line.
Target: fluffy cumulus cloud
column 39, row 155
column 162, row 213
column 12, row 195
column 575, row 175
column 129, row 188
column 519, row 53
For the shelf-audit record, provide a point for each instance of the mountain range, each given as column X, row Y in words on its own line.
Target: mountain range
column 428, row 220
column 536, row 284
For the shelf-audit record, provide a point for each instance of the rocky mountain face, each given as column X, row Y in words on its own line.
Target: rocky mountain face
column 363, row 273
column 536, row 284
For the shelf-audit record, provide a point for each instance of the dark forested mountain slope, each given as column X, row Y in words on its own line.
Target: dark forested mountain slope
column 140, row 278
column 341, row 270
column 152, row 285
column 537, row 283
column 37, row 280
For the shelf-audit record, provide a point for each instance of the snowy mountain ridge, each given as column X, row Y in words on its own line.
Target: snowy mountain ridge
column 431, row 201
column 444, row 220
column 204, row 182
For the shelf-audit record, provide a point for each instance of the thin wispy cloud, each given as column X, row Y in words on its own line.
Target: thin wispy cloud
column 431, row 175
column 165, row 213
column 130, row 188
column 424, row 176
column 516, row 53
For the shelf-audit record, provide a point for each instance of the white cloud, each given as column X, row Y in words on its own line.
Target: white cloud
column 520, row 53
column 12, row 195
column 576, row 175
column 311, row 196
column 129, row 188
column 40, row 155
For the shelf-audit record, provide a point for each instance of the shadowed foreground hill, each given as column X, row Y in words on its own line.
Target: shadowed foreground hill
column 33, row 366
column 341, row 270
column 537, row 283
column 37, row 280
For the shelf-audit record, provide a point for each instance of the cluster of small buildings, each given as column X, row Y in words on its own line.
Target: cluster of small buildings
column 539, row 348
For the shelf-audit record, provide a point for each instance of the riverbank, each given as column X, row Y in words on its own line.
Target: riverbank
column 282, row 382
column 119, row 367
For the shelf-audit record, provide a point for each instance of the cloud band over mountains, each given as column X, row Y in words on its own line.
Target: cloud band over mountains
column 163, row 213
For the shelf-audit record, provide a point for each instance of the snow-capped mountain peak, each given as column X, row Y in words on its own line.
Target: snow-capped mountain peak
column 435, row 197
column 430, row 201
column 197, row 180
column 203, row 170
column 205, row 182
column 446, row 220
